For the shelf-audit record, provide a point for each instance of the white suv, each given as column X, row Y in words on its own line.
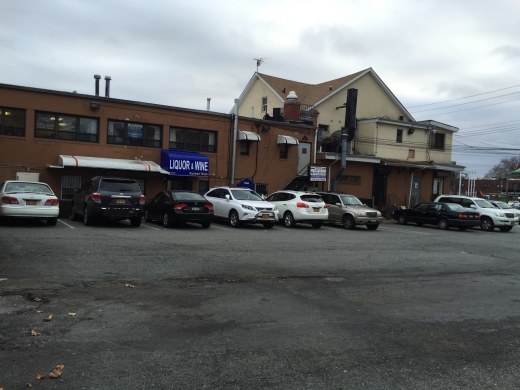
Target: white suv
column 242, row 205
column 490, row 217
column 301, row 207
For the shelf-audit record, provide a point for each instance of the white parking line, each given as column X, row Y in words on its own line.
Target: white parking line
column 149, row 227
column 66, row 224
column 218, row 227
column 402, row 230
column 3, row 279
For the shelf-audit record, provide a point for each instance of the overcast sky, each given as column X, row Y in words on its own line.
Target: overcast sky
column 180, row 53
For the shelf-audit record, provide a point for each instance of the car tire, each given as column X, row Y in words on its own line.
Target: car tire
column 372, row 227
column 443, row 224
column 135, row 221
column 268, row 225
column 487, row 224
column 206, row 225
column 87, row 218
column 348, row 222
column 505, row 228
column 288, row 220
column 73, row 216
column 401, row 220
column 52, row 221
column 317, row 225
column 167, row 222
column 234, row 220
column 147, row 217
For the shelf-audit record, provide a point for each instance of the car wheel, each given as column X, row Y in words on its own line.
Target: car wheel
column 317, row 225
column 147, row 217
column 487, row 224
column 206, row 225
column 234, row 221
column 52, row 221
column 443, row 224
column 135, row 221
column 166, row 220
column 505, row 228
column 288, row 220
column 268, row 225
column 372, row 227
column 87, row 218
column 401, row 220
column 348, row 222
column 73, row 216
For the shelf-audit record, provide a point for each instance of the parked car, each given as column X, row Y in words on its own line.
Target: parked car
column 444, row 215
column 242, row 205
column 108, row 198
column 490, row 216
column 300, row 207
column 177, row 207
column 506, row 207
column 28, row 199
column 350, row 211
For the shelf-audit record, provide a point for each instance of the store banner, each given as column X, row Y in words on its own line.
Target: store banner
column 318, row 173
column 181, row 163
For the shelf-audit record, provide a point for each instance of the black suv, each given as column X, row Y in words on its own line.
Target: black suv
column 108, row 197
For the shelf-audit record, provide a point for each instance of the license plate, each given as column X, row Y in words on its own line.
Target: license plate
column 316, row 209
column 195, row 209
column 512, row 222
column 265, row 215
column 31, row 202
column 120, row 201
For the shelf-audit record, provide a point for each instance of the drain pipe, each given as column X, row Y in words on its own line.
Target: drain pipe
column 411, row 184
column 234, row 156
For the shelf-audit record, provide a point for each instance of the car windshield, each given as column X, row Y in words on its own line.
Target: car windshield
column 455, row 207
column 24, row 187
column 246, row 195
column 484, row 204
column 503, row 205
column 350, row 200
column 119, row 186
column 188, row 196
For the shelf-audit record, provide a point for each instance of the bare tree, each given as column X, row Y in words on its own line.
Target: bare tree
column 504, row 168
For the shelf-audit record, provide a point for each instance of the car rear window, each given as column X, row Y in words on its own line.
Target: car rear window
column 312, row 198
column 119, row 186
column 24, row 187
column 188, row 196
column 455, row 207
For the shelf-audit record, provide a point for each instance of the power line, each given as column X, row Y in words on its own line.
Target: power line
column 475, row 108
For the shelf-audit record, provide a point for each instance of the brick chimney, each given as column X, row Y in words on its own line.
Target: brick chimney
column 291, row 107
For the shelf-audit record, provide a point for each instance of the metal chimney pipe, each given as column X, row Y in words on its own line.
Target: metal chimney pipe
column 207, row 108
column 97, row 77
column 107, row 86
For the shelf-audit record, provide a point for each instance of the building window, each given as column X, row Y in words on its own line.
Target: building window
column 262, row 188
column 203, row 186
column 399, row 137
column 12, row 122
column 411, row 153
column 284, row 151
column 193, row 140
column 437, row 141
column 264, row 104
column 349, row 179
column 69, row 184
column 142, row 185
column 244, row 148
column 136, row 134
column 66, row 127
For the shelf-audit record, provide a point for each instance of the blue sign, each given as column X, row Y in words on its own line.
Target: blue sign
column 246, row 183
column 181, row 163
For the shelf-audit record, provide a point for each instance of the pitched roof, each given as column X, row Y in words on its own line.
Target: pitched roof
column 307, row 93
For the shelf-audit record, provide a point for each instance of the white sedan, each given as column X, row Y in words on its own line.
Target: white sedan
column 28, row 199
column 300, row 207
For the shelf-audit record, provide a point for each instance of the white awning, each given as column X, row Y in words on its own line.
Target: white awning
column 108, row 163
column 287, row 139
column 248, row 136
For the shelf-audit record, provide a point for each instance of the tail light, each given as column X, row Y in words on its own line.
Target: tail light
column 463, row 216
column 209, row 206
column 477, row 215
column 302, row 205
column 9, row 200
column 52, row 202
column 142, row 199
column 326, row 206
column 95, row 196
column 180, row 206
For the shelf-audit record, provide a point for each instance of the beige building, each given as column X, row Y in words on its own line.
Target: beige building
column 408, row 160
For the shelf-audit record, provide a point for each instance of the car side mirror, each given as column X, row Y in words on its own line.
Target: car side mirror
column 228, row 197
column 472, row 206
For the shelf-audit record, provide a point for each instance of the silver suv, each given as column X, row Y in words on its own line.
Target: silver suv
column 350, row 211
column 490, row 216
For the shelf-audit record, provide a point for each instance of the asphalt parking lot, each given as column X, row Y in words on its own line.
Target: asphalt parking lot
column 250, row 308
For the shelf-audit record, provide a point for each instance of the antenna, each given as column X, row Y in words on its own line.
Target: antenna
column 259, row 62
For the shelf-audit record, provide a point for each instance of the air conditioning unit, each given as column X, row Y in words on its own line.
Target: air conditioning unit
column 28, row 176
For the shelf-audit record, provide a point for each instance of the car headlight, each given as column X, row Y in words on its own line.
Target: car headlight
column 275, row 208
column 362, row 214
column 379, row 214
column 499, row 214
column 245, row 206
